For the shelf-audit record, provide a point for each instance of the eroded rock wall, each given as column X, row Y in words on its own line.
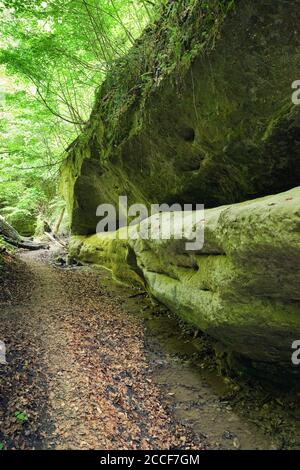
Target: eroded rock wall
column 242, row 288
column 199, row 111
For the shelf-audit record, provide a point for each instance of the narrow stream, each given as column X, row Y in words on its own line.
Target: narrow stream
column 196, row 393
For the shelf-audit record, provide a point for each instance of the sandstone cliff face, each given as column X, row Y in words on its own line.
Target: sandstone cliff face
column 242, row 288
column 215, row 126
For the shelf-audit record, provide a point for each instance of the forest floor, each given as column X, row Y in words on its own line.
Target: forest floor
column 79, row 372
column 76, row 368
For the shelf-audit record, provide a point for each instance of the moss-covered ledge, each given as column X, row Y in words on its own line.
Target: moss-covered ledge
column 109, row 252
column 242, row 288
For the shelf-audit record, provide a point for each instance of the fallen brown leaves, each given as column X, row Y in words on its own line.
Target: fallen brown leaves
column 77, row 369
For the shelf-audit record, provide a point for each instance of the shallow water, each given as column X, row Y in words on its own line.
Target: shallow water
column 196, row 394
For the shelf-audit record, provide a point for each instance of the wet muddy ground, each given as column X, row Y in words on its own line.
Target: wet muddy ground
column 185, row 370
column 231, row 413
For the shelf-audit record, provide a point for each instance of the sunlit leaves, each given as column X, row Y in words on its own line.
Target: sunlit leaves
column 55, row 54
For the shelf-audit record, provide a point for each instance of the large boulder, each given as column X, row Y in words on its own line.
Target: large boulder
column 242, row 288
column 199, row 111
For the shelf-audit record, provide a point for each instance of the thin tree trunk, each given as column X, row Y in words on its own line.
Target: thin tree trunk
column 59, row 221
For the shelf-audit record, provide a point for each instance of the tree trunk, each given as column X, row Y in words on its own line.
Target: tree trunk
column 11, row 236
column 8, row 231
column 59, row 221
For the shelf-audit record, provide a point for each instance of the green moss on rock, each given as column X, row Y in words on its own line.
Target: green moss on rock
column 23, row 221
column 242, row 288
column 108, row 252
column 199, row 111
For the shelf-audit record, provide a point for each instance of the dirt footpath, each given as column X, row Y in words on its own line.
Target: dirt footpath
column 76, row 374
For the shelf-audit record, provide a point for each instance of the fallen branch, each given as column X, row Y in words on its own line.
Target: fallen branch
column 55, row 240
column 139, row 294
column 6, row 230
column 12, row 237
column 24, row 244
